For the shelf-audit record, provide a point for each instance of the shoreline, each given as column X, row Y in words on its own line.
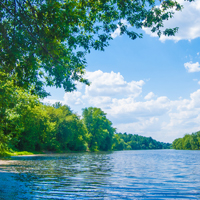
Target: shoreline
column 6, row 162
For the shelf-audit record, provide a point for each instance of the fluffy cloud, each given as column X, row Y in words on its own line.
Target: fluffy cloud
column 158, row 117
column 111, row 84
column 150, row 95
column 187, row 20
column 51, row 101
column 73, row 98
column 136, row 109
column 192, row 67
column 195, row 99
column 105, row 89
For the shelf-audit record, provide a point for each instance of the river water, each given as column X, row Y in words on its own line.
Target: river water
column 145, row 174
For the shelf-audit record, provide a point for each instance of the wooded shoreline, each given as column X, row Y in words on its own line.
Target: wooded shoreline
column 35, row 127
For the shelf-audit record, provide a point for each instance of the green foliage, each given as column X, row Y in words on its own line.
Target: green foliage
column 45, row 42
column 20, row 153
column 118, row 143
column 71, row 133
column 188, row 142
column 52, row 129
column 99, row 128
column 177, row 144
column 37, row 129
column 27, row 124
column 135, row 142
column 13, row 102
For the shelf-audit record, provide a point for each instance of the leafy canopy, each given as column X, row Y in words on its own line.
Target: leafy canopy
column 44, row 42
column 99, row 128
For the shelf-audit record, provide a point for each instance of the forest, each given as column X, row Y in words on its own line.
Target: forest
column 188, row 142
column 136, row 142
column 29, row 125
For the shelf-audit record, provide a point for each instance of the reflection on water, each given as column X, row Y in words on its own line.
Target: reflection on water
column 150, row 174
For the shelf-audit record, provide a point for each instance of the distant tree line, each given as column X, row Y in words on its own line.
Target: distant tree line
column 135, row 142
column 188, row 142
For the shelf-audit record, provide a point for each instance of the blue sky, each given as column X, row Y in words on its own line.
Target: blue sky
column 148, row 86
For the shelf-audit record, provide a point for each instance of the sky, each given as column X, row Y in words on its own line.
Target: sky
column 148, row 86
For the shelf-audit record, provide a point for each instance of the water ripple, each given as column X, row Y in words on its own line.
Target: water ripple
column 152, row 174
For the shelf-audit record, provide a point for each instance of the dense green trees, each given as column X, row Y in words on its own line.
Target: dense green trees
column 48, row 128
column 14, row 103
column 45, row 42
column 135, row 142
column 188, row 142
column 71, row 133
column 28, row 125
column 99, row 129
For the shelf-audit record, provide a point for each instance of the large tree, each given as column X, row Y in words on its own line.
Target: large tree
column 44, row 42
column 99, row 128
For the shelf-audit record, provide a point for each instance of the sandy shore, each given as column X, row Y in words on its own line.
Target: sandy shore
column 6, row 162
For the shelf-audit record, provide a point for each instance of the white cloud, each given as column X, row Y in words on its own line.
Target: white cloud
column 105, row 88
column 120, row 107
column 111, row 84
column 150, row 95
column 141, row 125
column 195, row 99
column 192, row 67
column 160, row 118
column 197, row 53
column 51, row 101
column 73, row 98
column 187, row 20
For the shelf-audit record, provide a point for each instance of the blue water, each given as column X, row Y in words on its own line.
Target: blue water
column 145, row 174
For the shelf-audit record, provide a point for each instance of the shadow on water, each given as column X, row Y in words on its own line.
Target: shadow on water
column 155, row 174
column 11, row 187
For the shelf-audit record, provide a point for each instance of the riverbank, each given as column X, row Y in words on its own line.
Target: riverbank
column 7, row 155
column 6, row 162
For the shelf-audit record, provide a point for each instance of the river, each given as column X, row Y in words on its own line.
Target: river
column 142, row 174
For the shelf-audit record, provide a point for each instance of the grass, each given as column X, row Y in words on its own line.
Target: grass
column 6, row 154
column 21, row 153
column 10, row 152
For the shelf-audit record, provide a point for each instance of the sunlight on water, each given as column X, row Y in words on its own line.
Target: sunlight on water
column 147, row 174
